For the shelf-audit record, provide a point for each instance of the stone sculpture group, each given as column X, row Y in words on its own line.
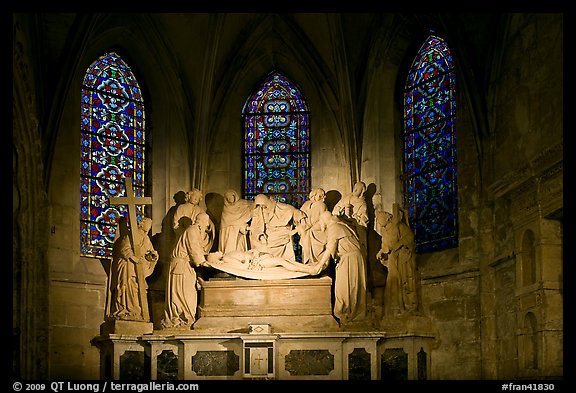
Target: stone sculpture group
column 256, row 241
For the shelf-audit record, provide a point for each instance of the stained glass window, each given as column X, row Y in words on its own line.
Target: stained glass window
column 276, row 124
column 430, row 147
column 112, row 147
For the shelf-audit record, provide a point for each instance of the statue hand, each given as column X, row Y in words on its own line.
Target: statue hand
column 380, row 255
column 317, row 270
column 151, row 256
column 215, row 258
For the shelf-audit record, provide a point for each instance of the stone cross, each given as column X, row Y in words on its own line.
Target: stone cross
column 131, row 201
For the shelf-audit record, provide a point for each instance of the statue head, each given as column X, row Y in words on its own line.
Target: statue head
column 203, row 220
column 317, row 194
column 230, row 197
column 262, row 201
column 145, row 224
column 383, row 217
column 194, row 196
column 359, row 188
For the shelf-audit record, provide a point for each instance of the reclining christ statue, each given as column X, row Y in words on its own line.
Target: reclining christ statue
column 258, row 264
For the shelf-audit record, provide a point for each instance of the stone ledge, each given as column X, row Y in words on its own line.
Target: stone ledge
column 279, row 323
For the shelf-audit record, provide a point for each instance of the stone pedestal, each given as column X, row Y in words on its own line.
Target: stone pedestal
column 405, row 354
column 116, row 326
column 287, row 305
column 123, row 357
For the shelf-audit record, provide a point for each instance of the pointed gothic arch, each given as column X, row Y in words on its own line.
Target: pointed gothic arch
column 430, row 188
column 276, row 129
column 113, row 145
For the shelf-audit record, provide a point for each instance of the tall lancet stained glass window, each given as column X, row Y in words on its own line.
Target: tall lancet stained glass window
column 430, row 148
column 276, row 123
column 113, row 147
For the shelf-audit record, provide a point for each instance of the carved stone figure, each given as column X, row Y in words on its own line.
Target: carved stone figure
column 350, row 282
column 125, row 287
column 312, row 237
column 168, row 232
column 236, row 215
column 382, row 227
column 190, row 251
column 189, row 209
column 353, row 209
column 272, row 226
column 398, row 256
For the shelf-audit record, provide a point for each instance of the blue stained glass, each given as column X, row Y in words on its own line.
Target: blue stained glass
column 276, row 141
column 430, row 148
column 112, row 147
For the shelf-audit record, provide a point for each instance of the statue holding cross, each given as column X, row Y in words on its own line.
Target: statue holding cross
column 133, row 259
